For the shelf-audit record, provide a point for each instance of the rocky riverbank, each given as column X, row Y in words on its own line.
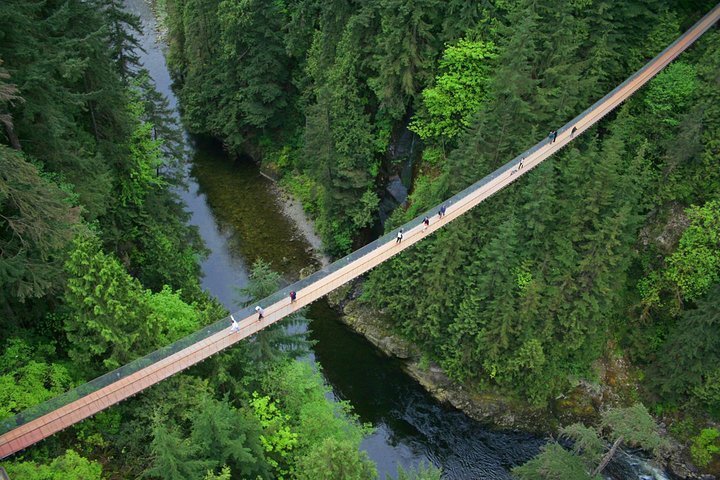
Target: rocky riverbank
column 485, row 407
column 617, row 385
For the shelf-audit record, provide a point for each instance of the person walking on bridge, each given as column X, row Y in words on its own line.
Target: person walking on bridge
column 235, row 327
column 441, row 213
column 552, row 136
column 261, row 312
column 399, row 236
column 426, row 223
column 293, row 296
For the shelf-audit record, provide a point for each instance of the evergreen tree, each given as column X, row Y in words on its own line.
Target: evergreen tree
column 691, row 351
column 122, row 30
column 9, row 95
column 36, row 223
column 174, row 458
column 110, row 321
column 336, row 459
column 258, row 67
column 68, row 466
column 404, row 51
column 228, row 437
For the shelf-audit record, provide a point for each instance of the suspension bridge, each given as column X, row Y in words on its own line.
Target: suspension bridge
column 48, row 418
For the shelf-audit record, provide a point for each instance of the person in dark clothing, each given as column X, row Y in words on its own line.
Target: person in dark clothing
column 572, row 133
column 520, row 165
column 553, row 136
column 441, row 213
column 293, row 296
column 426, row 222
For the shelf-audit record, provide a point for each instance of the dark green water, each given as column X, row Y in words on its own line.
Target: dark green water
column 242, row 204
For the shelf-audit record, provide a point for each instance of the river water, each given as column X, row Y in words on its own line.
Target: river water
column 239, row 218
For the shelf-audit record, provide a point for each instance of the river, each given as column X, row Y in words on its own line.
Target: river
column 240, row 219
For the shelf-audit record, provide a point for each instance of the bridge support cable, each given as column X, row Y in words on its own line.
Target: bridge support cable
column 41, row 421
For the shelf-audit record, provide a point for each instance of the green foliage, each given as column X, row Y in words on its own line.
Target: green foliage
column 36, row 223
column 304, row 188
column 586, row 442
column 688, row 359
column 69, row 466
column 26, row 379
column 695, row 265
column 227, row 436
column 459, row 89
column 424, row 471
column 145, row 158
column 335, row 458
column 635, row 425
column 632, row 425
column 174, row 458
column 277, row 439
column 554, row 463
column 179, row 318
column 110, row 322
column 705, row 446
column 112, row 319
column 669, row 94
column 225, row 474
column 302, row 396
column 708, row 392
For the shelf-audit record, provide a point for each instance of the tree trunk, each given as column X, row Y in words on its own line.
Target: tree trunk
column 608, row 456
column 12, row 136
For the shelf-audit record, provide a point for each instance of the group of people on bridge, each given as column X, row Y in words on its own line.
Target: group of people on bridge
column 235, row 326
column 552, row 136
column 425, row 222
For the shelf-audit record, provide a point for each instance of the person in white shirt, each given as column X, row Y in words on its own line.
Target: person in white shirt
column 235, row 327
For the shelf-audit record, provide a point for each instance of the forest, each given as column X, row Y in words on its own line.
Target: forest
column 609, row 250
column 98, row 266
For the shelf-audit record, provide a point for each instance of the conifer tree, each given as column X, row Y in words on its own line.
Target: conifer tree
column 174, row 458
column 9, row 95
column 228, row 437
column 405, row 49
column 122, row 30
column 36, row 223
column 109, row 322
